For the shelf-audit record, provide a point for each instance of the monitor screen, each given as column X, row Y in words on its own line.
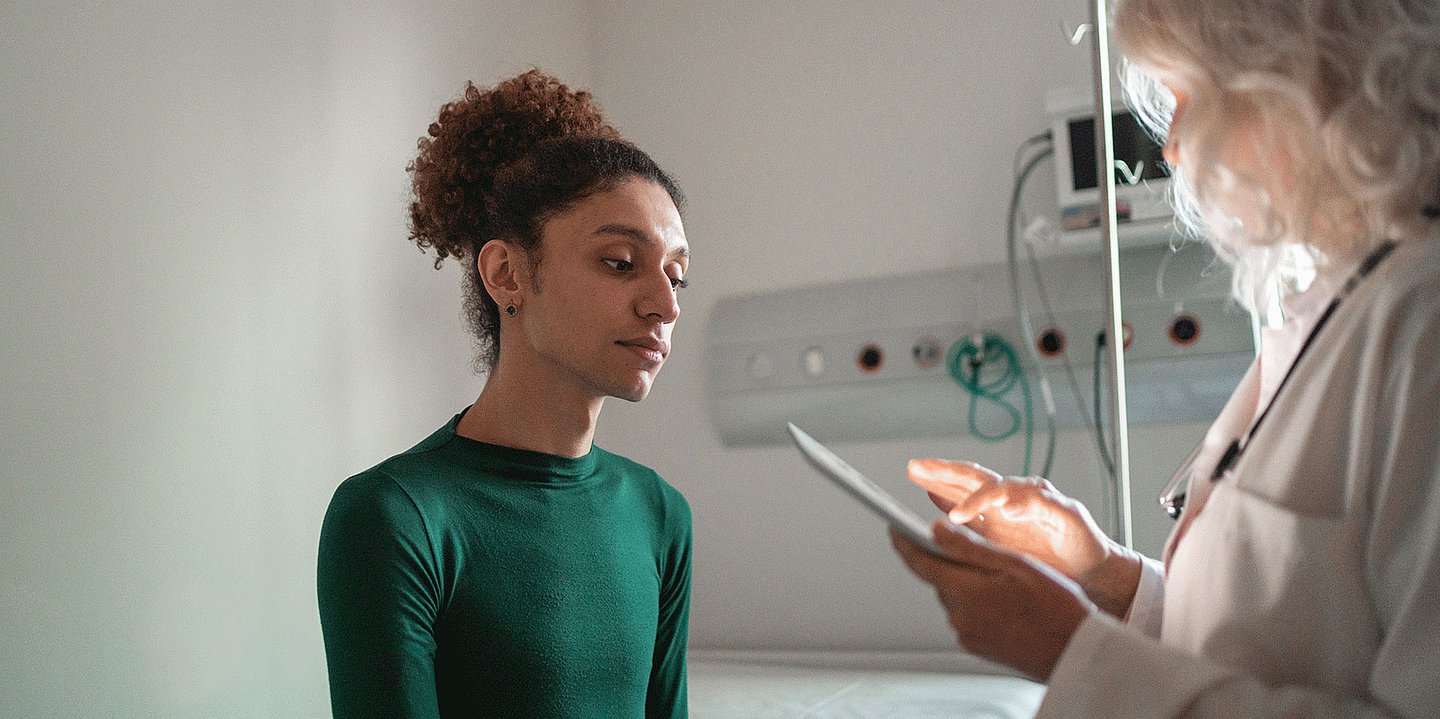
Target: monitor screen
column 1134, row 147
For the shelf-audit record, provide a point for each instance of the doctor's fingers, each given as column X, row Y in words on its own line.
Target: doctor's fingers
column 1009, row 610
column 970, row 554
column 969, row 547
column 945, row 504
column 949, row 479
column 975, row 575
column 963, row 594
column 1012, row 497
column 1022, row 618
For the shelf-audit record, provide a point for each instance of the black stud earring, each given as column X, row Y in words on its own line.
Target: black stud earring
column 510, row 310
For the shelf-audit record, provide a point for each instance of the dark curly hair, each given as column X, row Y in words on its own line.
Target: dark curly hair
column 499, row 163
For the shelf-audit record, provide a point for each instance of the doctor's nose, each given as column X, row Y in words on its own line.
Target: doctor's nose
column 1171, row 150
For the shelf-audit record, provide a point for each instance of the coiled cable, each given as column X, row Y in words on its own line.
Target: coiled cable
column 967, row 362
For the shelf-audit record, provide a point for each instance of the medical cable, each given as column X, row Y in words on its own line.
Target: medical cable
column 1027, row 331
column 1044, row 138
column 1093, row 428
column 1068, row 367
column 967, row 359
column 1098, row 385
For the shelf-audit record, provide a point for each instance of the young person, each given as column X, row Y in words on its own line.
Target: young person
column 505, row 566
column 1303, row 578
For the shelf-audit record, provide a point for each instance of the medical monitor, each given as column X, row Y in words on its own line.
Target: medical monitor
column 1141, row 175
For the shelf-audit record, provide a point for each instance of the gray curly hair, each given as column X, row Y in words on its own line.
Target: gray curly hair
column 1341, row 97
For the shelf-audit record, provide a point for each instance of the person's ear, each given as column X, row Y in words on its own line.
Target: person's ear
column 501, row 264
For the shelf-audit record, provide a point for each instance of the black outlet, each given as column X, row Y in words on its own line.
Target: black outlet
column 1052, row 342
column 871, row 357
column 1185, row 329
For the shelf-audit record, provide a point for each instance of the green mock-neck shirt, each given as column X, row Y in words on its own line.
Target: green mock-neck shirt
column 465, row 579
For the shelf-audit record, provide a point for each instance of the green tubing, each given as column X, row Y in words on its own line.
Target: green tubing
column 970, row 365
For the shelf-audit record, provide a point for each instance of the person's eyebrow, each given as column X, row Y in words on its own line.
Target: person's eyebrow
column 638, row 236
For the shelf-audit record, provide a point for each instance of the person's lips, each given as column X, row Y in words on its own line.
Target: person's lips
column 652, row 349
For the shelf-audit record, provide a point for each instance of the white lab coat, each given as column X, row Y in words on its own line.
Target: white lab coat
column 1305, row 583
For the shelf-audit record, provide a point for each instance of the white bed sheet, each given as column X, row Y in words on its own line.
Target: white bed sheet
column 757, row 687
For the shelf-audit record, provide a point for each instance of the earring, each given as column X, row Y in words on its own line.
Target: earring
column 510, row 310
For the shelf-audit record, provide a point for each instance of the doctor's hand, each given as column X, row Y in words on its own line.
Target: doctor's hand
column 1002, row 606
column 1029, row 516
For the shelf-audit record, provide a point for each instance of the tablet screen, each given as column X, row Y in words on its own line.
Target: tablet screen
column 870, row 494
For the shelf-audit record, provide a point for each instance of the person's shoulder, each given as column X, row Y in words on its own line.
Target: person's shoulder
column 1411, row 277
column 1405, row 305
column 396, row 487
column 370, row 496
column 416, row 471
column 620, row 464
column 367, row 510
column 613, row 462
column 1398, row 332
column 654, row 486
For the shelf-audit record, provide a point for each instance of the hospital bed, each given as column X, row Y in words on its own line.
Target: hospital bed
column 766, row 684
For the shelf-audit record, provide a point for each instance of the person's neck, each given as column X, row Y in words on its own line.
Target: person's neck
column 528, row 411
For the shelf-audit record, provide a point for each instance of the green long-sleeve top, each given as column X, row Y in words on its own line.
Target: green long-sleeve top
column 464, row 579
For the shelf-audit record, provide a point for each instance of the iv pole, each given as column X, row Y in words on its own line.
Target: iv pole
column 1109, row 239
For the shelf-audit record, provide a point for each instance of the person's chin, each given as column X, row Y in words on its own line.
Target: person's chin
column 636, row 390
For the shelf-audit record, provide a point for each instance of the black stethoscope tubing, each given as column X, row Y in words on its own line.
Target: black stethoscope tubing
column 1176, row 504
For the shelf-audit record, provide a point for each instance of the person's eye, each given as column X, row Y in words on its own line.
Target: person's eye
column 677, row 283
column 620, row 265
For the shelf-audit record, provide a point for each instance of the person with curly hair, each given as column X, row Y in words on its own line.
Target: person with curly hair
column 505, row 566
column 1303, row 577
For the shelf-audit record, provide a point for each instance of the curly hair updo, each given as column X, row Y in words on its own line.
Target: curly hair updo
column 497, row 164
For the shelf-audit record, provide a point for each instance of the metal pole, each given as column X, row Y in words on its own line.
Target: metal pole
column 1105, row 158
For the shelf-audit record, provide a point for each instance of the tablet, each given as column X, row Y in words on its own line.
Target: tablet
column 861, row 488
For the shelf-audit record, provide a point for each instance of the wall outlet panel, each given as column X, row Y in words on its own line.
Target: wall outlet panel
column 795, row 355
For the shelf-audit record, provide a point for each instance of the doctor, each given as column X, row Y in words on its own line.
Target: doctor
column 1303, row 577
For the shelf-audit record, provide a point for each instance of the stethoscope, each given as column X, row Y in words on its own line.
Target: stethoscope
column 1172, row 498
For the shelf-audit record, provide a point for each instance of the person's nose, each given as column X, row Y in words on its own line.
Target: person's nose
column 1171, row 151
column 659, row 301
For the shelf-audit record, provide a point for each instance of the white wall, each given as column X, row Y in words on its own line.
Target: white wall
column 209, row 316
column 823, row 140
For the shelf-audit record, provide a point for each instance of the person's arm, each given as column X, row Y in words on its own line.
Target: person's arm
column 1108, row 670
column 666, row 697
column 1147, row 606
column 1002, row 605
column 378, row 589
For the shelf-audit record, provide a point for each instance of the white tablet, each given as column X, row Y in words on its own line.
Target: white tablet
column 870, row 494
